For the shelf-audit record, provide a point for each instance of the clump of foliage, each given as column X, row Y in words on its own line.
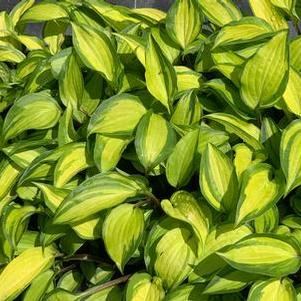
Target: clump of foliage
column 149, row 156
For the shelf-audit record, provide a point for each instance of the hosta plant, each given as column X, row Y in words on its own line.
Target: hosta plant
column 150, row 156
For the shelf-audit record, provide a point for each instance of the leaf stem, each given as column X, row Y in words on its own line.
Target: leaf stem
column 87, row 257
column 103, row 286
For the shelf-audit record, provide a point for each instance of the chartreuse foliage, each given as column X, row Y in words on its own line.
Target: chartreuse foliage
column 150, row 156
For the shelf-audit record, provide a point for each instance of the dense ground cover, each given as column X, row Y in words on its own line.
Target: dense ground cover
column 149, row 156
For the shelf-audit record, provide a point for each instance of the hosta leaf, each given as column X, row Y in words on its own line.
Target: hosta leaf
column 187, row 79
column 14, row 220
column 71, row 84
column 71, row 163
column 265, row 10
column 225, row 90
column 52, row 195
column 9, row 175
column 26, row 267
column 175, row 256
column 91, row 228
column 187, row 292
column 271, row 65
column 34, row 111
column 277, row 289
column 247, row 29
column 155, row 14
column 159, row 229
column 118, row 17
column 183, row 206
column 290, row 156
column 218, row 180
column 143, row 286
column 184, row 21
column 53, row 34
column 39, row 286
column 97, row 193
column 294, row 49
column 286, row 5
column 260, row 189
column 66, row 131
column 108, row 151
column 292, row 96
column 136, row 44
column 11, row 54
column 170, row 49
column 224, row 235
column 88, row 42
column 220, row 12
column 182, row 161
column 36, row 13
column 60, row 294
column 122, row 233
column 270, row 137
column 268, row 221
column 229, row 281
column 248, row 132
column 155, row 139
column 210, row 135
column 70, row 281
column 19, row 10
column 188, row 110
column 244, row 157
column 117, row 116
column 270, row 255
column 160, row 75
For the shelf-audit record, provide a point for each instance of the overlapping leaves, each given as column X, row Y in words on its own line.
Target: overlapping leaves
column 149, row 155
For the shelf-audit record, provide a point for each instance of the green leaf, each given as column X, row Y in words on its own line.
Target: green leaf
column 36, row 13
column 220, row 12
column 108, row 151
column 248, row 132
column 245, row 30
column 117, row 116
column 19, row 10
column 14, row 222
column 88, row 42
column 261, row 188
column 184, row 207
column 142, row 285
column 9, row 175
column 277, row 289
column 39, row 286
column 181, row 164
column 268, row 221
column 34, row 111
column 271, row 65
column 265, row 10
column 270, row 255
column 71, row 163
column 218, row 181
column 155, row 139
column 26, row 267
column 160, row 75
column 294, row 50
column 290, row 156
column 175, row 256
column 291, row 95
column 122, row 233
column 184, row 21
column 191, row 292
column 229, row 281
column 71, row 84
column 97, row 193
